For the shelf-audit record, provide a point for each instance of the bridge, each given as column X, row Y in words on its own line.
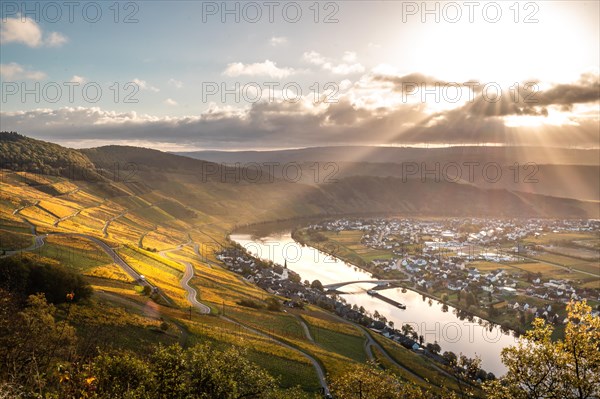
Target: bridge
column 376, row 282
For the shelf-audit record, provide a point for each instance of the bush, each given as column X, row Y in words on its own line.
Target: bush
column 29, row 275
column 273, row 305
column 249, row 303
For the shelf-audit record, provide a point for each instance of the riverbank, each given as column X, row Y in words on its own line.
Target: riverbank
column 452, row 329
column 506, row 324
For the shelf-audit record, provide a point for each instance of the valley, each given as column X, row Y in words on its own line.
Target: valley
column 148, row 244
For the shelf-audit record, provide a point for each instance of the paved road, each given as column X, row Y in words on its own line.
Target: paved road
column 189, row 273
column 571, row 269
column 305, row 328
column 141, row 240
column 370, row 342
column 19, row 209
column 191, row 291
column 109, row 221
column 316, row 365
column 192, row 294
column 39, row 242
column 57, row 221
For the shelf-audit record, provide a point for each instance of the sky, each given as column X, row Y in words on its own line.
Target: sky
column 192, row 75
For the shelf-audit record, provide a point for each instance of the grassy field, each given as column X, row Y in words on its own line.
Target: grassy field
column 335, row 336
column 415, row 362
column 163, row 274
column 121, row 317
column 74, row 252
column 10, row 239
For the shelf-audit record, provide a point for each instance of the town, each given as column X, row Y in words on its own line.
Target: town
column 279, row 280
column 506, row 271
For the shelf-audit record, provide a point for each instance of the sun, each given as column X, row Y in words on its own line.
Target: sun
column 556, row 48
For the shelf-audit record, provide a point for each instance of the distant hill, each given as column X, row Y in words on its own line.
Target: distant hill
column 502, row 155
column 185, row 186
column 137, row 158
column 568, row 173
column 29, row 155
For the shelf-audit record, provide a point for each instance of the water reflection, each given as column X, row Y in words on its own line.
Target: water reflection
column 454, row 330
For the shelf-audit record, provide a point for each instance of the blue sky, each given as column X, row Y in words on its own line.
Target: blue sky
column 375, row 51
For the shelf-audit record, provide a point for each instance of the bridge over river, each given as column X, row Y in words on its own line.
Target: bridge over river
column 335, row 286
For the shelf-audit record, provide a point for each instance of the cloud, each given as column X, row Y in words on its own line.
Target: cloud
column 78, row 79
column 55, row 39
column 313, row 57
column 344, row 69
column 143, row 85
column 278, row 41
column 347, row 67
column 482, row 120
column 587, row 89
column 178, row 84
column 366, row 114
column 28, row 32
column 401, row 83
column 170, row 101
column 267, row 68
column 14, row 71
column 349, row 56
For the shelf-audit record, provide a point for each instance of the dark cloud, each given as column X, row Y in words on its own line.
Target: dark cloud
column 584, row 91
column 283, row 124
column 480, row 121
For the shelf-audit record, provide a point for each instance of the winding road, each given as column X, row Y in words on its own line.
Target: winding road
column 191, row 297
column 316, row 365
column 191, row 292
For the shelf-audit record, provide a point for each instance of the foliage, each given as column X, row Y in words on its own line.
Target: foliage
column 21, row 153
column 541, row 368
column 29, row 275
column 198, row 372
column 273, row 304
column 370, row 382
column 31, row 340
column 316, row 284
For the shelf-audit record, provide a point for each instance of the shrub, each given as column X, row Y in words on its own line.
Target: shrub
column 29, row 275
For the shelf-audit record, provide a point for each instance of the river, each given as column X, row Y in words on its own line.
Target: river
column 430, row 318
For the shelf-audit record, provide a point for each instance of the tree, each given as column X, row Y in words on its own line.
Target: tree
column 200, row 372
column 369, row 382
column 31, row 275
column 471, row 300
column 31, row 340
column 317, row 285
column 434, row 348
column 450, row 358
column 407, row 329
column 539, row 368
